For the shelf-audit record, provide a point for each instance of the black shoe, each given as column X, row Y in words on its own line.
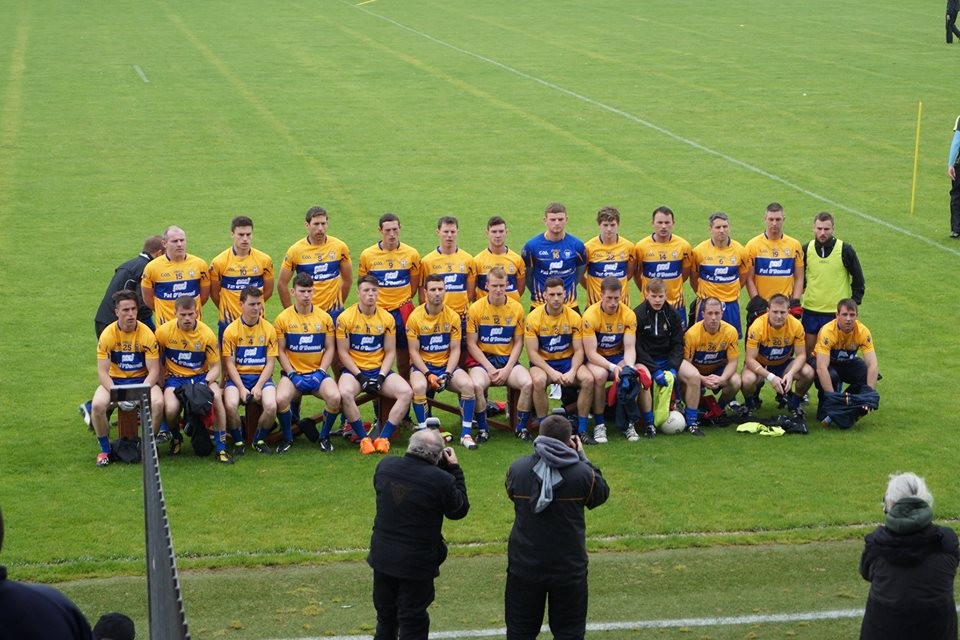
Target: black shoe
column 587, row 439
column 175, row 445
column 482, row 436
column 524, row 435
column 695, row 430
column 650, row 431
column 238, row 449
column 284, row 446
column 163, row 436
column 224, row 458
column 261, row 447
column 955, row 234
column 325, row 445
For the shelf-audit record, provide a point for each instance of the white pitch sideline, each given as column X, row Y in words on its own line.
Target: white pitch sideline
column 725, row 621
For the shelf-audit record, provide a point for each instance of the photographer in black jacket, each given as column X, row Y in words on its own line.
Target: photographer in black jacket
column 547, row 550
column 414, row 493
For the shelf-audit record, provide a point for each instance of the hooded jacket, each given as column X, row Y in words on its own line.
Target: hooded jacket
column 659, row 336
column 910, row 564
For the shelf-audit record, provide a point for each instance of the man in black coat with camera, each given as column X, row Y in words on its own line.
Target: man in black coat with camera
column 414, row 494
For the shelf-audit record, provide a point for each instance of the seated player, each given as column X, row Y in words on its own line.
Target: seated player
column 367, row 347
column 711, row 346
column 190, row 355
column 776, row 352
column 250, row 354
column 609, row 345
column 837, row 363
column 127, row 353
column 433, row 334
column 555, row 348
column 660, row 351
column 494, row 342
column 306, row 345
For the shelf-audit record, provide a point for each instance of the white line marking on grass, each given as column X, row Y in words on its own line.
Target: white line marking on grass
column 726, row 621
column 670, row 134
column 140, row 73
column 365, row 2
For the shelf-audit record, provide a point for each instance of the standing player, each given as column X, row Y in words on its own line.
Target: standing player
column 664, row 256
column 190, row 355
column 776, row 353
column 457, row 267
column 396, row 266
column 494, row 340
column 127, row 353
column 367, row 347
column 250, row 354
column 609, row 345
column 775, row 260
column 174, row 274
column 718, row 268
column 237, row 267
column 325, row 259
column 555, row 347
column 608, row 254
column 306, row 344
column 554, row 253
column 497, row 254
column 832, row 273
column 711, row 347
column 433, row 333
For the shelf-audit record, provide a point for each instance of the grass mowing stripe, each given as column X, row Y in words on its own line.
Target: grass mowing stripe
column 666, row 132
column 725, row 621
column 140, row 73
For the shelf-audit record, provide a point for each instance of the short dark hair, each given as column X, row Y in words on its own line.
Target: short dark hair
column 553, row 281
column 124, row 294
column 433, row 277
column 555, row 207
column 302, row 280
column 250, row 291
column 448, row 220
column 778, row 299
column 495, row 220
column 608, row 214
column 368, row 279
column 717, row 215
column 315, row 212
column 387, row 217
column 848, row 303
column 241, row 221
column 823, row 216
column 152, row 245
column 664, row 210
column 185, row 302
column 611, row 283
column 774, row 206
column 556, row 427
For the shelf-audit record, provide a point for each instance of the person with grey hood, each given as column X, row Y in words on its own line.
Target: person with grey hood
column 547, row 550
column 910, row 564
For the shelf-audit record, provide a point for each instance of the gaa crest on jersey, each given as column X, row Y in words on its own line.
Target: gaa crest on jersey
column 196, row 346
column 261, row 339
column 567, row 253
column 331, row 254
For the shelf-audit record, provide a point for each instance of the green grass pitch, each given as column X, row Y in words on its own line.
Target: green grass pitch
column 120, row 118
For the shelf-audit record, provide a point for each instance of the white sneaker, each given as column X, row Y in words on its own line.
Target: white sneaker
column 600, row 434
column 468, row 442
column 631, row 434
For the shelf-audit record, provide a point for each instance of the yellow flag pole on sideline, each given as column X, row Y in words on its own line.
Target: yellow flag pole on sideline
column 916, row 158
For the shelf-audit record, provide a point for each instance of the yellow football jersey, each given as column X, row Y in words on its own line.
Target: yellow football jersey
column 512, row 265
column 774, row 264
column 322, row 263
column 364, row 335
column 609, row 328
column 168, row 280
column 393, row 270
column 775, row 346
column 719, row 270
column 235, row 272
column 496, row 326
column 305, row 336
column 710, row 352
column 554, row 334
column 843, row 346
column 608, row 260
column 666, row 261
column 127, row 352
column 434, row 333
column 250, row 346
column 187, row 353
column 458, row 270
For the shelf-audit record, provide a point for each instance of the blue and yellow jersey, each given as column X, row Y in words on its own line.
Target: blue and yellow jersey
column 775, row 346
column 458, row 269
column 555, row 334
column 393, row 270
column 545, row 259
column 364, row 335
column 496, row 326
column 609, row 328
column 169, row 280
column 306, row 337
column 710, row 352
column 235, row 272
column 774, row 264
column 666, row 261
column 322, row 263
column 605, row 260
column 434, row 333
column 719, row 270
column 512, row 265
column 250, row 346
column 843, row 346
column 127, row 352
column 187, row 353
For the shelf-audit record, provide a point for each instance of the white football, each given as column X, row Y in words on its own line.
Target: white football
column 673, row 424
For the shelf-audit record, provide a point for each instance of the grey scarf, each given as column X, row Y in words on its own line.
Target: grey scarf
column 554, row 455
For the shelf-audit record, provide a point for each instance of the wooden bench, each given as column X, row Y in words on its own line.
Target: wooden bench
column 513, row 396
column 128, row 424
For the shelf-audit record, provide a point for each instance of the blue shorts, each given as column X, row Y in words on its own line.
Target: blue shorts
column 731, row 315
column 173, row 382
column 308, row 382
column 334, row 314
column 221, row 327
column 372, row 373
column 613, row 360
column 562, row 365
column 120, row 382
column 401, row 329
column 498, row 362
column 249, row 379
column 436, row 370
column 813, row 321
column 778, row 369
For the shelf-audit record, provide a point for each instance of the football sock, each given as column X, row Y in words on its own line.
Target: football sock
column 388, row 430
column 104, row 443
column 220, row 440
column 598, row 419
column 357, row 426
column 237, row 436
column 286, row 425
column 582, row 424
column 420, row 409
column 648, row 417
column 467, row 406
column 523, row 417
column 482, row 421
column 328, row 420
column 690, row 415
